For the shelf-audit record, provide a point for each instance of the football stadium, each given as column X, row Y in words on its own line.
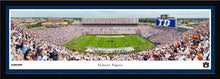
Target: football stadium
column 109, row 39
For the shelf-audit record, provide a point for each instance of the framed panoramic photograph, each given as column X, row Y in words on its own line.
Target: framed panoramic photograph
column 70, row 40
column 110, row 38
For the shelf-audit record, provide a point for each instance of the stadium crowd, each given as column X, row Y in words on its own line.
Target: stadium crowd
column 192, row 45
column 109, row 20
column 64, row 34
column 59, row 35
column 109, row 29
column 165, row 35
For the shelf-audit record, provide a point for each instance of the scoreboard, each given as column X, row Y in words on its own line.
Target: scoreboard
column 165, row 22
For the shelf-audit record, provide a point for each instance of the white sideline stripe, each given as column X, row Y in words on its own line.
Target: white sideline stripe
column 109, row 36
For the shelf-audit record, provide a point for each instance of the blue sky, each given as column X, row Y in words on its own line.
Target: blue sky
column 111, row 14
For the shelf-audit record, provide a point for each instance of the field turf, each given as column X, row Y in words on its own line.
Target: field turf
column 83, row 41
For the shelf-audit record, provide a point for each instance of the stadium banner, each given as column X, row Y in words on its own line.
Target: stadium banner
column 165, row 22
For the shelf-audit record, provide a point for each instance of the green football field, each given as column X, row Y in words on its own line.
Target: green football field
column 83, row 41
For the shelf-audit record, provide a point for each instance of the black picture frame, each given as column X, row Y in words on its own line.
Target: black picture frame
column 65, row 76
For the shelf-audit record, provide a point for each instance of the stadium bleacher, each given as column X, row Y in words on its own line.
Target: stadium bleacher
column 109, row 20
column 46, row 44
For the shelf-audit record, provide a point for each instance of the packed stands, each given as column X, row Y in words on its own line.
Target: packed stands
column 109, row 20
column 28, row 45
column 58, row 35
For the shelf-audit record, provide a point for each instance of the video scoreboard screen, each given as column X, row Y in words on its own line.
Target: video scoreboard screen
column 165, row 22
